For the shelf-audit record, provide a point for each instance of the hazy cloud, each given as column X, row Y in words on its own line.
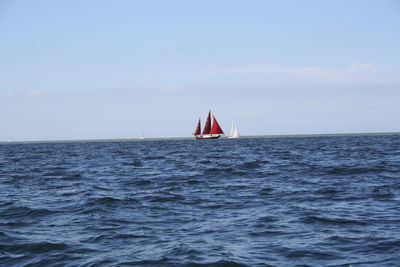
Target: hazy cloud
column 26, row 93
column 359, row 73
column 35, row 92
column 7, row 93
column 171, row 88
column 193, row 45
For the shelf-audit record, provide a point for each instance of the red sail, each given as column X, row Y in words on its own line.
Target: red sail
column 216, row 129
column 197, row 132
column 207, row 127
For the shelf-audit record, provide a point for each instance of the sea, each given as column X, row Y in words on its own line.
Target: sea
column 305, row 201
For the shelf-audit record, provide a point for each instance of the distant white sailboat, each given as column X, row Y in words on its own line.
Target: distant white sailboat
column 141, row 136
column 234, row 131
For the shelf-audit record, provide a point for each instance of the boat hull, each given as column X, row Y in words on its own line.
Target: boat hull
column 207, row 136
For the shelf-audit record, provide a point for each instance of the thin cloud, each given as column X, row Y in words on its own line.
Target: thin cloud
column 34, row 93
column 170, row 88
column 194, row 45
column 7, row 93
column 27, row 93
column 359, row 73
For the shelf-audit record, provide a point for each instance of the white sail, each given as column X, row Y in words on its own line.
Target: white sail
column 141, row 135
column 234, row 131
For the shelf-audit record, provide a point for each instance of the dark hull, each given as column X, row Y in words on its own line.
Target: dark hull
column 208, row 137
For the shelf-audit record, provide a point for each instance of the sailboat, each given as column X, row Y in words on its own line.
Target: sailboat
column 234, row 131
column 211, row 130
column 141, row 136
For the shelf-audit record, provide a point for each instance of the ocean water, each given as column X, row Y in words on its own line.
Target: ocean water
column 323, row 201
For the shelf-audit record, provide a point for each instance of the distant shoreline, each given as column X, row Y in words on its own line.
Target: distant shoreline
column 191, row 138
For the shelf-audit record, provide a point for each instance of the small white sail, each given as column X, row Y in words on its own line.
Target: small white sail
column 141, row 135
column 234, row 131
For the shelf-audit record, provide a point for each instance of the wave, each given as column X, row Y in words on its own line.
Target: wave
column 154, row 157
column 115, row 237
column 109, row 200
column 354, row 170
column 251, row 165
column 315, row 254
column 22, row 211
column 164, row 261
column 135, row 163
column 254, row 202
column 266, row 233
column 327, row 191
column 266, row 191
column 226, row 170
column 73, row 177
column 221, row 263
column 39, row 247
column 161, row 199
column 340, row 221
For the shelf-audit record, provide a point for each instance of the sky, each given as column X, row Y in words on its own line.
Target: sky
column 93, row 69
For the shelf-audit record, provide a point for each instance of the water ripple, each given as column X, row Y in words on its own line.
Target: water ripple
column 328, row 201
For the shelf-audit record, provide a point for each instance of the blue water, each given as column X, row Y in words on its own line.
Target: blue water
column 324, row 201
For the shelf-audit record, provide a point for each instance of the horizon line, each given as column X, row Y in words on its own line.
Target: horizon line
column 191, row 138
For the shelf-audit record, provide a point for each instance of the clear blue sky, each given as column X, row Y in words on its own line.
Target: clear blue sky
column 107, row 69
